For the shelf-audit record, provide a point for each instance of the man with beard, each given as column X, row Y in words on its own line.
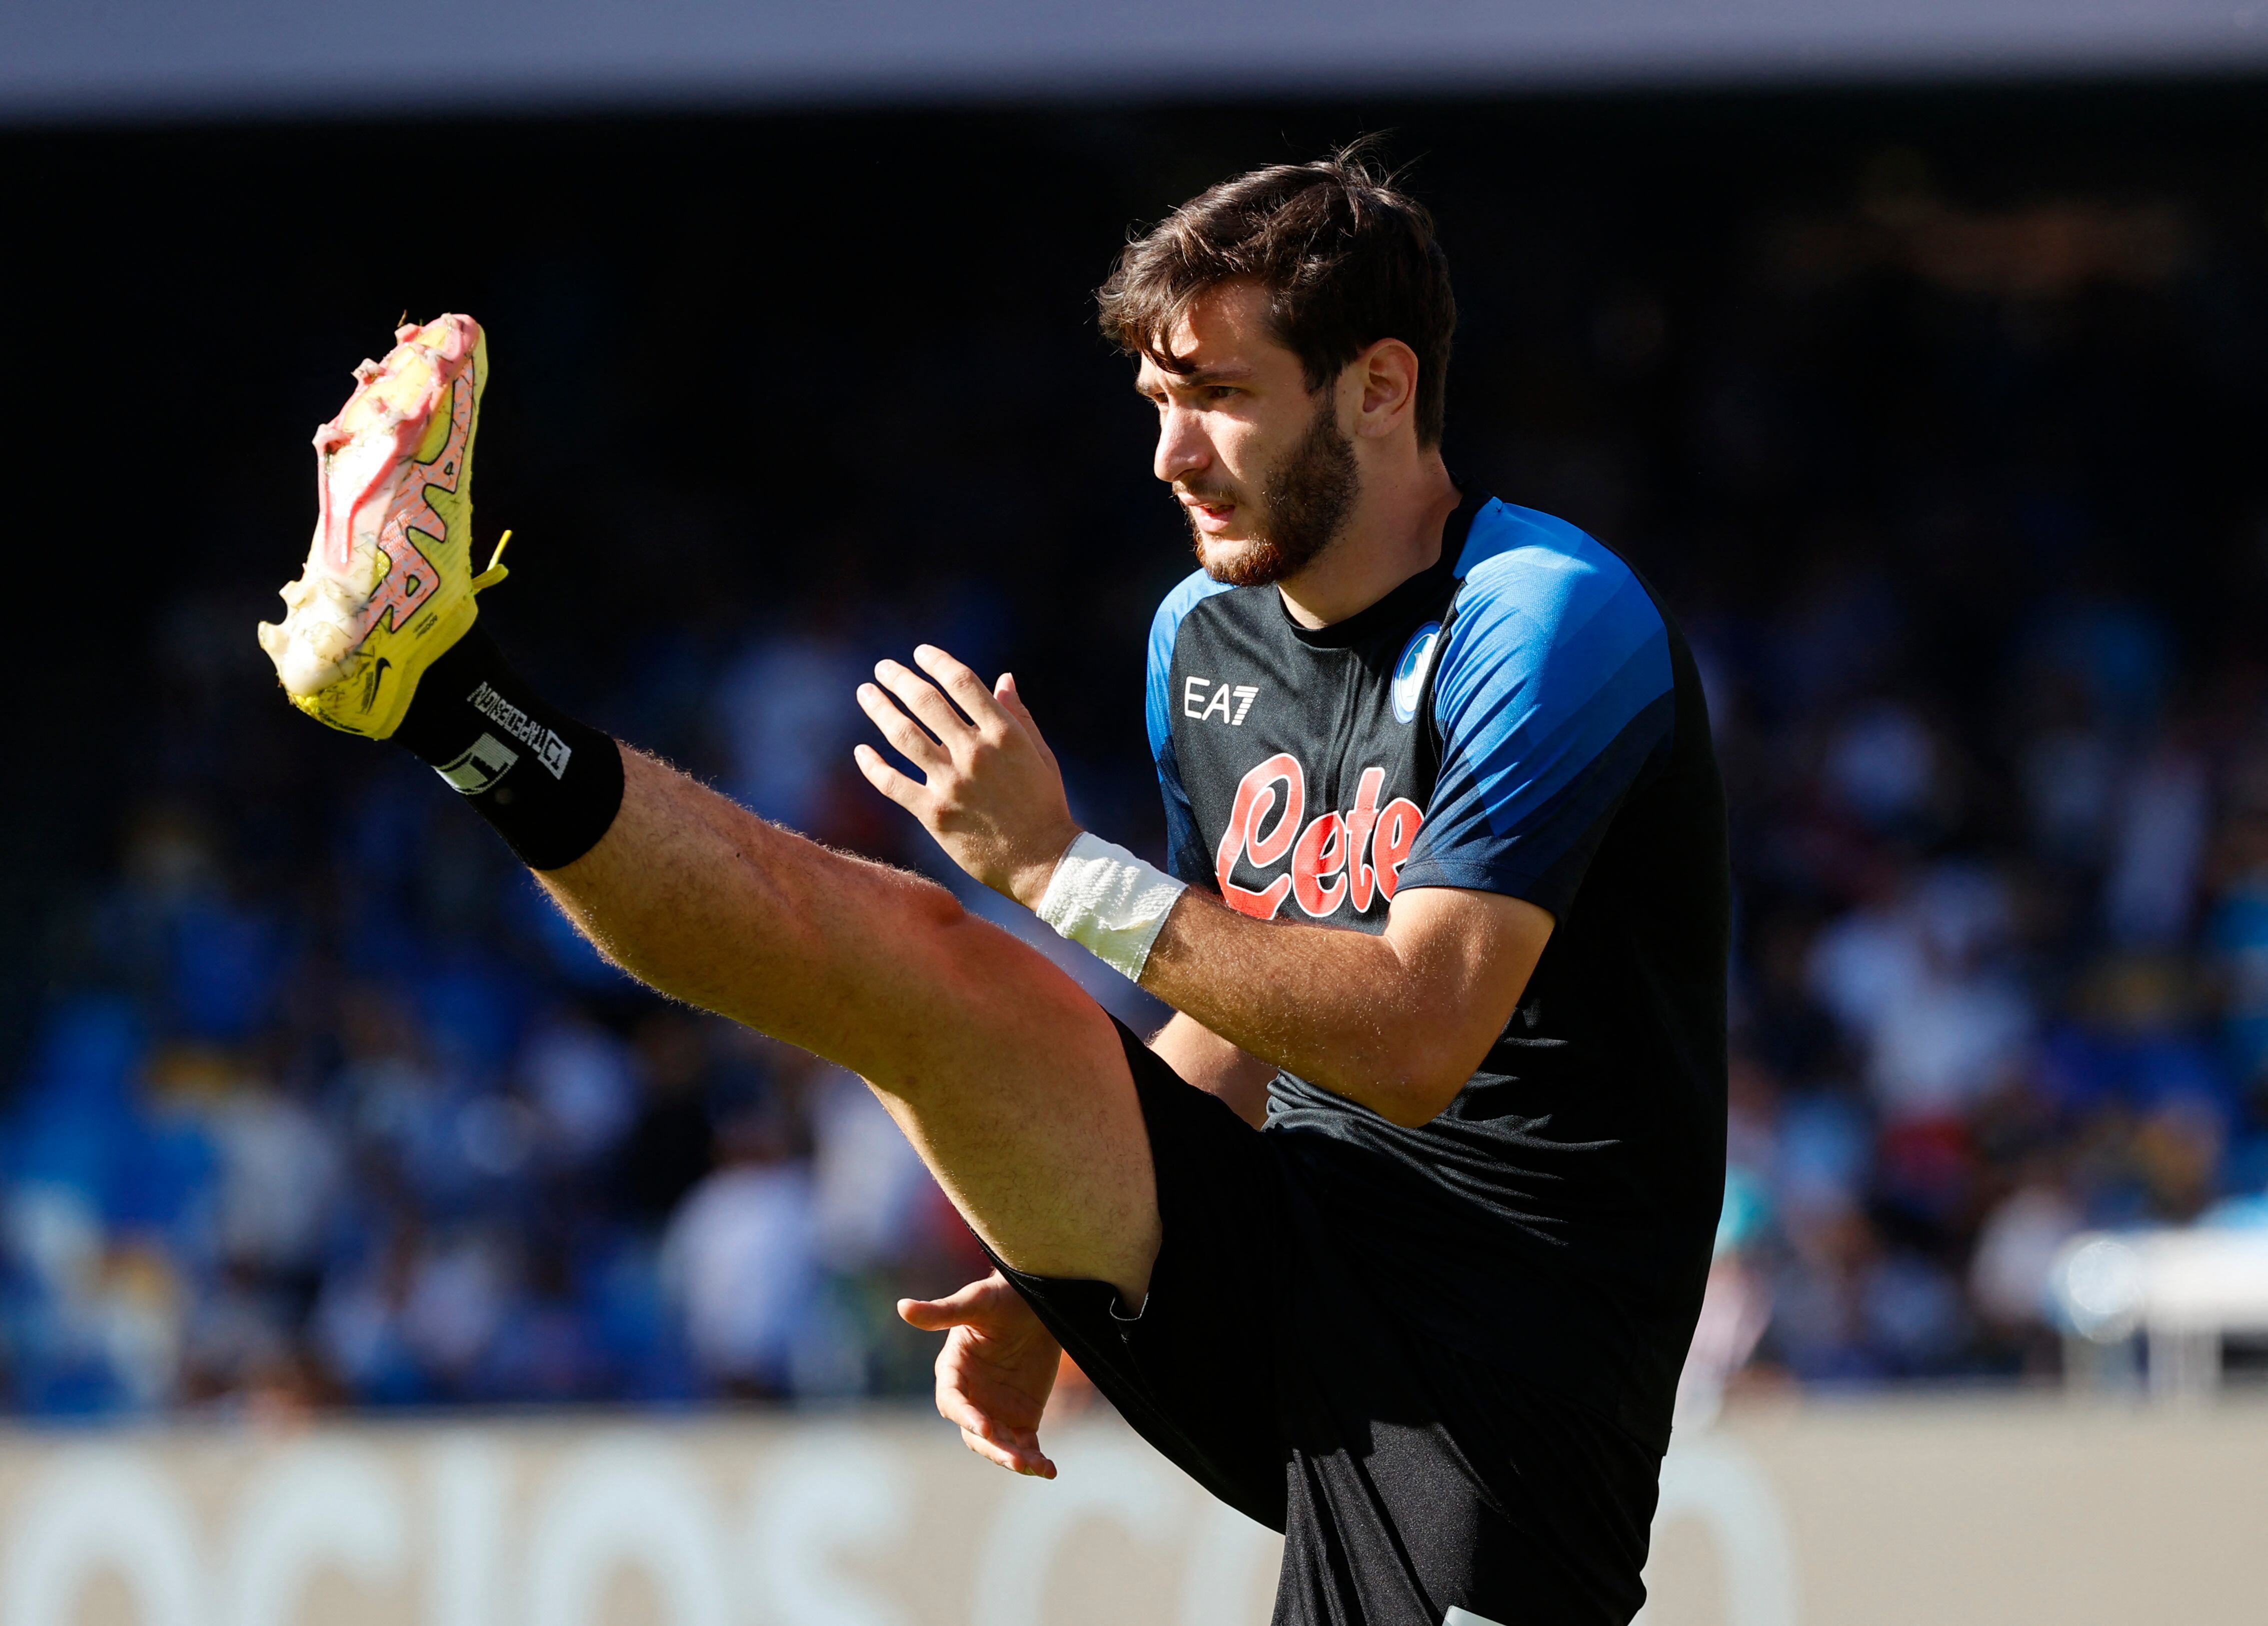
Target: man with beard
column 1428, row 1320
column 1447, row 913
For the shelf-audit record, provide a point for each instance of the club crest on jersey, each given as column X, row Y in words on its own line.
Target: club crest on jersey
column 1352, row 858
column 1410, row 671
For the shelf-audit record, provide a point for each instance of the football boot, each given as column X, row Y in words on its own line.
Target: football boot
column 388, row 584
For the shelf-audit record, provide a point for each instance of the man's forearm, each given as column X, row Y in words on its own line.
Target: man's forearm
column 1396, row 1022
column 1206, row 1059
column 1329, row 1005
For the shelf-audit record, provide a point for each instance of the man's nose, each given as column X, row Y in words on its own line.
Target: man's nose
column 1181, row 446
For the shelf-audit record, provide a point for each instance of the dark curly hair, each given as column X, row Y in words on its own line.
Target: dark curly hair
column 1347, row 259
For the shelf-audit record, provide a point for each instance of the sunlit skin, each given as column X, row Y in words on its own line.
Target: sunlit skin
column 1008, row 1079
column 1450, row 965
column 1239, row 410
column 1396, row 1021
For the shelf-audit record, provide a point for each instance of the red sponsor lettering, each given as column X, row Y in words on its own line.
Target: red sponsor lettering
column 1316, row 863
column 1360, row 877
column 1337, row 857
column 1398, row 822
column 1256, row 796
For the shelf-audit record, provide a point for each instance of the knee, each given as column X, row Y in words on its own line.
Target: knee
column 930, row 924
column 923, row 909
column 985, row 972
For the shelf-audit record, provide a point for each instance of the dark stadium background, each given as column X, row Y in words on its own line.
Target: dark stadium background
column 1938, row 414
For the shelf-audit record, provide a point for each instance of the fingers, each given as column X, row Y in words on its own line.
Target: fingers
column 1000, row 1415
column 921, row 698
column 979, row 710
column 1014, row 1445
column 935, row 1315
column 914, row 743
column 1012, row 703
column 1026, row 1460
column 996, row 1405
column 968, row 691
column 911, row 797
column 955, row 1309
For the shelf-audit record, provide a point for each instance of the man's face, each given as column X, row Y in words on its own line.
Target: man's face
column 1260, row 466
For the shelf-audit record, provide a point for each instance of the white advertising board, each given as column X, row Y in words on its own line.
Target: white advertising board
column 1958, row 1514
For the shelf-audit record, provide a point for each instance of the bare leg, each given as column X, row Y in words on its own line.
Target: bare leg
column 1008, row 1079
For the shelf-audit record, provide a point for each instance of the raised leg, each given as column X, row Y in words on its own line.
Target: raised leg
column 1008, row 1079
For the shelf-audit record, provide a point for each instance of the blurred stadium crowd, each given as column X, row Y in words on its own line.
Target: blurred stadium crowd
column 1961, row 505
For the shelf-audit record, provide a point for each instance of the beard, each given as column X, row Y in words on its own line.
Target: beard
column 1303, row 505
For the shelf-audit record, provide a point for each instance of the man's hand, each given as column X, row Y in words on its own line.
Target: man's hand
column 995, row 1373
column 991, row 791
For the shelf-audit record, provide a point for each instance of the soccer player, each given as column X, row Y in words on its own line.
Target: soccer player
column 1395, row 1236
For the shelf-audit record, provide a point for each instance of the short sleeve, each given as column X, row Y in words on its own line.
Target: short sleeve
column 1186, row 857
column 1553, row 693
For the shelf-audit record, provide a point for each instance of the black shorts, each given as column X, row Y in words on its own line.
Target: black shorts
column 1411, row 1480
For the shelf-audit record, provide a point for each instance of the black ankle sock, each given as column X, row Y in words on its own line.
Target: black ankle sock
column 550, row 784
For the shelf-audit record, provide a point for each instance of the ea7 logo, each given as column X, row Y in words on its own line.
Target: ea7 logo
column 1195, row 703
column 1337, row 857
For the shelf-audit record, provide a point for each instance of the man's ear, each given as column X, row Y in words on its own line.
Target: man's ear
column 1386, row 374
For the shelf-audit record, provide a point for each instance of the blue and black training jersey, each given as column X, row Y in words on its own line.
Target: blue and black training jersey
column 1523, row 718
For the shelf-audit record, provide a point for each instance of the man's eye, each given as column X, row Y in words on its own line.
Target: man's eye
column 1219, row 392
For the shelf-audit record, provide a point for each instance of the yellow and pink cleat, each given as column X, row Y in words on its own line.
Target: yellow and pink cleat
column 388, row 586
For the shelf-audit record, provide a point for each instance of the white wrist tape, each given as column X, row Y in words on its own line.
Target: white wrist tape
column 1106, row 900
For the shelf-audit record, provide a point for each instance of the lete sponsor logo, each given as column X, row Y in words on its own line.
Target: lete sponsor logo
column 1350, row 858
